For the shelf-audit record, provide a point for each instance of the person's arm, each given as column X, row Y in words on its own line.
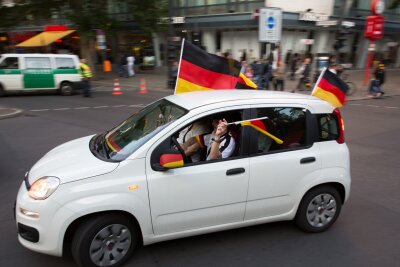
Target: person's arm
column 222, row 128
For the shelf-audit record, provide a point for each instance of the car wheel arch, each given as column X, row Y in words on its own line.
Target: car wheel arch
column 73, row 226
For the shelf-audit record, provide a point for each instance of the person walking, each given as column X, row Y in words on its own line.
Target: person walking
column 86, row 75
column 380, row 75
column 304, row 71
column 131, row 61
column 279, row 76
column 123, row 67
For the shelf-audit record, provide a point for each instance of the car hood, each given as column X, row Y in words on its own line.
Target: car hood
column 71, row 161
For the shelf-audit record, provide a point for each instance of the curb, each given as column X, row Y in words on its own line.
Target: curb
column 6, row 113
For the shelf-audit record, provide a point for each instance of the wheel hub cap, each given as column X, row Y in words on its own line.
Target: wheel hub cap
column 321, row 210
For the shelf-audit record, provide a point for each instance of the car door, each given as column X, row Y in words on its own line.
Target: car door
column 10, row 73
column 197, row 195
column 38, row 73
column 278, row 170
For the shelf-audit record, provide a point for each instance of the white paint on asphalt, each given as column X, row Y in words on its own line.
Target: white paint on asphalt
column 391, row 107
column 372, row 106
column 80, row 108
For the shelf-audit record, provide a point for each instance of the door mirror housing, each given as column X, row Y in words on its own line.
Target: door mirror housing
column 171, row 159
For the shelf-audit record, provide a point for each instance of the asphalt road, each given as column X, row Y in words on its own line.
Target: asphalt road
column 366, row 233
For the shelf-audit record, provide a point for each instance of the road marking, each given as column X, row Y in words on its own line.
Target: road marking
column 373, row 106
column 80, row 108
column 101, row 107
column 39, row 110
column 355, row 104
column 391, row 107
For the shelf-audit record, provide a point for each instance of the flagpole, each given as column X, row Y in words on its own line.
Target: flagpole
column 319, row 78
column 238, row 122
column 179, row 67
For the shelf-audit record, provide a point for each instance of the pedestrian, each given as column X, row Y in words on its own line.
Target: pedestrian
column 374, row 88
column 249, row 73
column 380, row 74
column 304, row 72
column 267, row 73
column 86, row 75
column 123, row 66
column 174, row 73
column 131, row 61
column 279, row 76
column 258, row 69
column 293, row 66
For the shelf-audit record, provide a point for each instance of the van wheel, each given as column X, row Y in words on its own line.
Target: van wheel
column 1, row 90
column 104, row 241
column 66, row 88
column 318, row 209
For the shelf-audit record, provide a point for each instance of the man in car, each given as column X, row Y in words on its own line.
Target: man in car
column 219, row 144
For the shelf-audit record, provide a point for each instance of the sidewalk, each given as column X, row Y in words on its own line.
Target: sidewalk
column 156, row 80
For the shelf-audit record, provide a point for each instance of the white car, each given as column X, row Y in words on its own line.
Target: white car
column 103, row 195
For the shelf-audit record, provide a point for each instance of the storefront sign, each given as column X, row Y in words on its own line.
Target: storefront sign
column 310, row 16
column 307, row 41
column 270, row 25
column 178, row 20
column 374, row 27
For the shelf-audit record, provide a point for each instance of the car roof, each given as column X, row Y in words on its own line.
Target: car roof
column 37, row 55
column 197, row 99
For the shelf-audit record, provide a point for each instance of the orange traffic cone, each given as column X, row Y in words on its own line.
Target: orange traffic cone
column 143, row 89
column 116, row 90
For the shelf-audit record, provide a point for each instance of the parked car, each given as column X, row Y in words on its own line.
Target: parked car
column 34, row 72
column 107, row 193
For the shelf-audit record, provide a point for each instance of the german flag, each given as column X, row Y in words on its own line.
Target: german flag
column 200, row 70
column 260, row 126
column 173, row 159
column 331, row 88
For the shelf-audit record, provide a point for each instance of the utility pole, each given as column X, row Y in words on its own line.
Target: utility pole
column 340, row 34
column 170, row 44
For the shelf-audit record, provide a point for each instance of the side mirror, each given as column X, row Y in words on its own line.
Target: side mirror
column 172, row 159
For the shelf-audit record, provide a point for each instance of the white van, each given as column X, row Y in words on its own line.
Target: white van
column 31, row 72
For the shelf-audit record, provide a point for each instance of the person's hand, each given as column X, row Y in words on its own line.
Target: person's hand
column 222, row 128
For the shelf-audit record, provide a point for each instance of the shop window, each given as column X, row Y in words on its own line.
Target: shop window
column 65, row 63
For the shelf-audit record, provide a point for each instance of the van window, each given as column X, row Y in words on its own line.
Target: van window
column 328, row 127
column 65, row 63
column 38, row 63
column 9, row 63
column 286, row 123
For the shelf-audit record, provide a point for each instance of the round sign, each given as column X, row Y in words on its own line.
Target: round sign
column 270, row 22
column 377, row 6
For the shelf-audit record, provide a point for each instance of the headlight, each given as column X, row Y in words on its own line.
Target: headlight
column 43, row 187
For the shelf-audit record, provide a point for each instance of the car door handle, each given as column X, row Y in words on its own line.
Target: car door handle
column 307, row 160
column 235, row 171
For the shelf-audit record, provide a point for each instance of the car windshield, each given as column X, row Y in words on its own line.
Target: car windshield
column 126, row 138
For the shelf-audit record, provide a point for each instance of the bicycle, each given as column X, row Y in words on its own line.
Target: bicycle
column 352, row 86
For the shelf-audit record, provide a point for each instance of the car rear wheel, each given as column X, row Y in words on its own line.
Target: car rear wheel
column 1, row 90
column 104, row 241
column 66, row 88
column 318, row 209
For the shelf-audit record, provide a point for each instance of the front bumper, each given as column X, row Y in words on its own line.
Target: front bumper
column 41, row 224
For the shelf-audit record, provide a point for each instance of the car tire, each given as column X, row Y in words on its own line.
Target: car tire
column 66, row 89
column 318, row 209
column 104, row 241
column 1, row 91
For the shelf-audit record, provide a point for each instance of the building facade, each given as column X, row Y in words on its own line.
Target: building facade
column 307, row 27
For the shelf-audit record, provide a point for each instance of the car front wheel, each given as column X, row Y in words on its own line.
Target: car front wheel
column 105, row 240
column 318, row 209
column 66, row 89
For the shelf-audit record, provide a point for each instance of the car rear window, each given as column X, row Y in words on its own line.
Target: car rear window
column 328, row 127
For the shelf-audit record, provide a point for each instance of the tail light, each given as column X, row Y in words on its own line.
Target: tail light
column 339, row 118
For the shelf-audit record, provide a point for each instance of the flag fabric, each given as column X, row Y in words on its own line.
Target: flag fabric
column 260, row 126
column 331, row 88
column 171, row 160
column 199, row 70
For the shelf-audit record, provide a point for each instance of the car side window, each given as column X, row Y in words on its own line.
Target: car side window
column 9, row 63
column 328, row 127
column 38, row 63
column 65, row 63
column 195, row 139
column 285, row 129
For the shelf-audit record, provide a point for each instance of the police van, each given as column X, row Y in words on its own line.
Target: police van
column 34, row 72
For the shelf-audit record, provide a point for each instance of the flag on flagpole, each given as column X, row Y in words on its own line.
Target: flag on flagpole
column 199, row 70
column 331, row 88
column 260, row 126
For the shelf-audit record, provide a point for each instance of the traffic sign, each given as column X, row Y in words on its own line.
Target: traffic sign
column 373, row 27
column 270, row 25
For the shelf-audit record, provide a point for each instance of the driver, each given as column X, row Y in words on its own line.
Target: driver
column 219, row 144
